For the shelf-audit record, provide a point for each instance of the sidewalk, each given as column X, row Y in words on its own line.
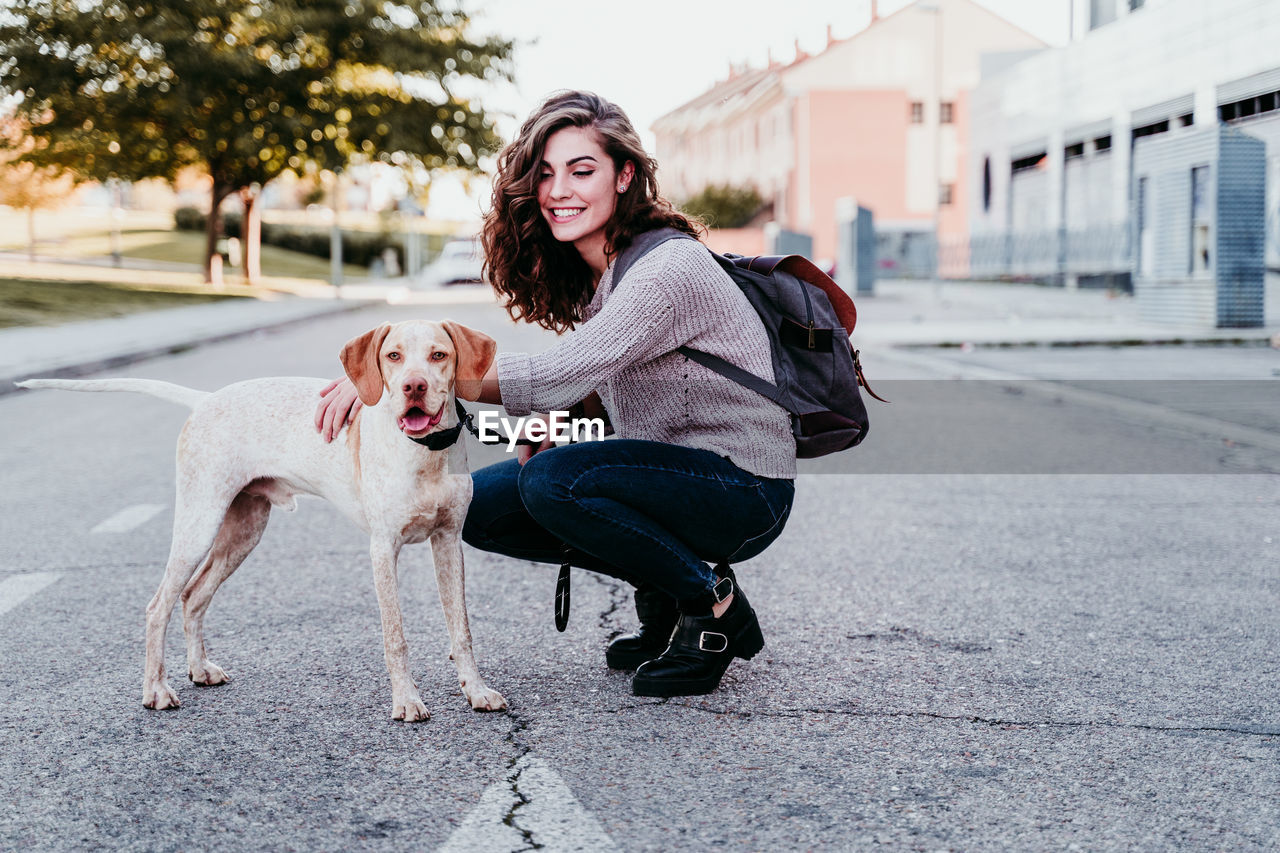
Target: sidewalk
column 963, row 314
column 900, row 314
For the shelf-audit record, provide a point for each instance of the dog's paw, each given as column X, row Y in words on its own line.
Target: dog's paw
column 484, row 699
column 159, row 696
column 409, row 708
column 208, row 675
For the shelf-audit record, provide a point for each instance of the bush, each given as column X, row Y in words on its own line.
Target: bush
column 724, row 206
column 359, row 248
column 195, row 219
column 189, row 219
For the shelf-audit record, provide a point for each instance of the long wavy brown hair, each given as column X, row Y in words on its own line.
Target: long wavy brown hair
column 543, row 280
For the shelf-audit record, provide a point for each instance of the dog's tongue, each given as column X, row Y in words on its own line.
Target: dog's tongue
column 417, row 422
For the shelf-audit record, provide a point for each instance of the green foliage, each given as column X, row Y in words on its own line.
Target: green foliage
column 358, row 247
column 724, row 206
column 245, row 88
column 41, row 302
column 189, row 219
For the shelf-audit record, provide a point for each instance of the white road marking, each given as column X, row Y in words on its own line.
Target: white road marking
column 552, row 816
column 129, row 518
column 17, row 589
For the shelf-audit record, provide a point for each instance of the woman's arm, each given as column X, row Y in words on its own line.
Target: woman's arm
column 636, row 323
column 489, row 390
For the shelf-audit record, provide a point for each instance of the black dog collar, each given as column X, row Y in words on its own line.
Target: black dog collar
column 447, row 438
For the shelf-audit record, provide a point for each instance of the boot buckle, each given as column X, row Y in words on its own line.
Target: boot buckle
column 722, row 590
column 702, row 642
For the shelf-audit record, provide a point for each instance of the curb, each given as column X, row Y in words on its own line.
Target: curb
column 1260, row 340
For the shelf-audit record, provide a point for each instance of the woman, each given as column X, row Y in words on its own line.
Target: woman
column 701, row 470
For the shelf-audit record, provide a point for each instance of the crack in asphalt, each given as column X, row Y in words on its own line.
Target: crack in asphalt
column 518, row 726
column 617, row 600
column 898, row 633
column 796, row 713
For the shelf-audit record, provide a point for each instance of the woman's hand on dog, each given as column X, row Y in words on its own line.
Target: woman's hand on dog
column 339, row 403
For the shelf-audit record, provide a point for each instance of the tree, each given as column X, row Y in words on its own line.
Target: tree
column 25, row 186
column 246, row 89
column 724, row 206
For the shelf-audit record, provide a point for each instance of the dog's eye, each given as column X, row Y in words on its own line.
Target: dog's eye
column 393, row 356
column 439, row 356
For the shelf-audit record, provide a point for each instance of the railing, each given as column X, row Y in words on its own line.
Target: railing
column 1101, row 250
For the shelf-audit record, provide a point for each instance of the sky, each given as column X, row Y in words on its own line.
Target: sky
column 651, row 56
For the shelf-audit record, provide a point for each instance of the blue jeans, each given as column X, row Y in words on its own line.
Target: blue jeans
column 646, row 512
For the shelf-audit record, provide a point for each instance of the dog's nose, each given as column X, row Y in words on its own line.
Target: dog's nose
column 415, row 387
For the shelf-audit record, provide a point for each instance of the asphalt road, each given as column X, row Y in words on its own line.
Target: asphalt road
column 990, row 647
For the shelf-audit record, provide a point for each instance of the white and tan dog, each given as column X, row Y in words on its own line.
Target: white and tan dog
column 253, row 444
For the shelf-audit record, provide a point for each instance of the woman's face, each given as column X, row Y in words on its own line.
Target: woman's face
column 578, row 187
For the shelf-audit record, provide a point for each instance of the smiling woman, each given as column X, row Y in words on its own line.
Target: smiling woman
column 701, row 470
column 577, row 170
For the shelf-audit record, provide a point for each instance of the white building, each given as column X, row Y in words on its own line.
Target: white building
column 1052, row 134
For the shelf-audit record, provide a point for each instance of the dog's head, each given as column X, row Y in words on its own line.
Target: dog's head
column 415, row 364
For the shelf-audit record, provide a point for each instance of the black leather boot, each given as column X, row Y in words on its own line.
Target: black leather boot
column 658, row 614
column 702, row 648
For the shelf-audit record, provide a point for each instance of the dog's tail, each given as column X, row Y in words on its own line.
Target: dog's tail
column 179, row 394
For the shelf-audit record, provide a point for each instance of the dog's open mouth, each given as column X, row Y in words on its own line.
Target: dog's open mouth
column 416, row 420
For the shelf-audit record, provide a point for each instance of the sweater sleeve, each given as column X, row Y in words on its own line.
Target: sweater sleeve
column 636, row 323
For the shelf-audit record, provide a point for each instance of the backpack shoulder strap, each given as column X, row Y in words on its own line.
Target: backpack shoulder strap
column 737, row 374
column 641, row 246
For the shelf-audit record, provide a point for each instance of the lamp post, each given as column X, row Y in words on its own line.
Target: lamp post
column 934, row 9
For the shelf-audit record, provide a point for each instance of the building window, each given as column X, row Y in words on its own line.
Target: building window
column 1151, row 129
column 1102, row 143
column 1200, row 223
column 1026, row 164
column 1071, row 152
column 1246, row 107
column 986, row 184
column 946, row 112
column 946, row 192
column 1186, row 120
column 917, row 112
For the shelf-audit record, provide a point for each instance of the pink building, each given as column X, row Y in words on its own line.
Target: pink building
column 880, row 117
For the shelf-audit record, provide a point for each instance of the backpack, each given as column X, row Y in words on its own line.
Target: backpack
column 809, row 320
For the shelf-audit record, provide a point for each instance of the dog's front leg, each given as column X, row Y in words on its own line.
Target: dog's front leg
column 446, row 551
column 405, row 703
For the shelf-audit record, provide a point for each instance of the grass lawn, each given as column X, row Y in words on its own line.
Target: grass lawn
column 34, row 302
column 188, row 247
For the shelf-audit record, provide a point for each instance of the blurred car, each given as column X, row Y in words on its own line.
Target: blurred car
column 460, row 262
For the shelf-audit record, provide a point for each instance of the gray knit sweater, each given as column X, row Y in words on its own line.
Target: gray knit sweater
column 625, row 350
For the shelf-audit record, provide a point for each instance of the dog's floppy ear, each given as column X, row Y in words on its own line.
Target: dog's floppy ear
column 364, row 368
column 475, row 355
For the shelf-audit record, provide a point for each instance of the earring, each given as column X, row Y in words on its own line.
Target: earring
column 622, row 188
